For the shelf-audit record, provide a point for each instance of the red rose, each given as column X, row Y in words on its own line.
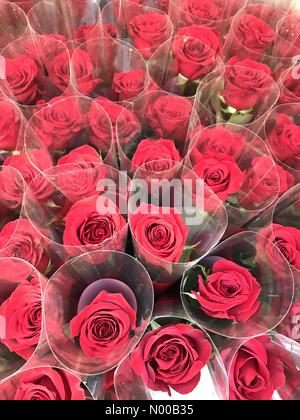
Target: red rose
column 59, row 70
column 10, row 125
column 12, row 188
column 22, row 315
column 169, row 117
column 22, row 75
column 79, row 179
column 284, row 139
column 162, row 235
column 58, row 123
column 39, row 186
column 229, row 292
column 85, row 75
column 253, row 33
column 100, row 127
column 291, row 86
column 294, row 319
column 171, row 357
column 104, row 326
column 129, row 125
column 199, row 11
column 129, row 84
column 221, row 173
column 246, row 83
column 219, row 140
column 284, row 238
column 86, row 226
column 148, row 31
column 264, row 181
column 156, row 154
column 110, row 29
column 85, row 32
column 42, row 383
column 195, row 50
column 256, row 371
column 288, row 41
column 19, row 239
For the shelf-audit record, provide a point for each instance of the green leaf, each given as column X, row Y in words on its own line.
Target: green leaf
column 187, row 252
column 154, row 325
column 191, row 295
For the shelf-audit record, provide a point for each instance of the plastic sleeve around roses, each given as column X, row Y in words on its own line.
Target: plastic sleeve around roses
column 63, row 385
column 130, row 20
column 212, row 109
column 98, row 189
column 287, row 30
column 288, row 83
column 251, row 157
column 10, row 13
column 151, row 116
column 282, row 120
column 38, row 63
column 20, row 329
column 26, row 5
column 76, row 122
column 73, row 24
column 12, row 189
column 268, row 299
column 166, row 70
column 213, row 381
column 194, row 215
column 265, row 19
column 216, row 15
column 277, row 354
column 64, row 297
column 97, row 63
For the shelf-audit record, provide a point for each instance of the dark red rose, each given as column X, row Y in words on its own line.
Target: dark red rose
column 40, row 186
column 246, row 83
column 110, row 29
column 171, row 357
column 22, row 315
column 22, row 74
column 253, row 33
column 162, row 235
column 264, row 181
column 129, row 84
column 148, row 31
column 86, row 226
column 256, row 371
column 284, row 140
column 19, row 239
column 290, row 91
column 84, row 72
column 218, row 140
column 85, row 32
column 221, row 173
column 101, row 134
column 10, row 125
column 59, row 70
column 199, row 11
column 58, row 123
column 195, row 50
column 104, row 326
column 286, row 239
column 169, row 117
column 229, row 292
column 128, row 124
column 156, row 154
column 43, row 383
column 80, row 178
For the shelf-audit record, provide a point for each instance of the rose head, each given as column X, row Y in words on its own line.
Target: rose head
column 10, row 125
column 129, row 84
column 200, row 11
column 22, row 312
column 171, row 357
column 104, row 326
column 162, row 150
column 148, row 31
column 85, row 75
column 44, row 384
column 229, row 292
column 284, row 139
column 12, row 188
column 291, row 87
column 284, row 238
column 246, row 83
column 85, row 32
column 87, row 225
column 195, row 51
column 59, row 70
column 162, row 235
column 256, row 371
column 221, row 173
column 99, row 127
